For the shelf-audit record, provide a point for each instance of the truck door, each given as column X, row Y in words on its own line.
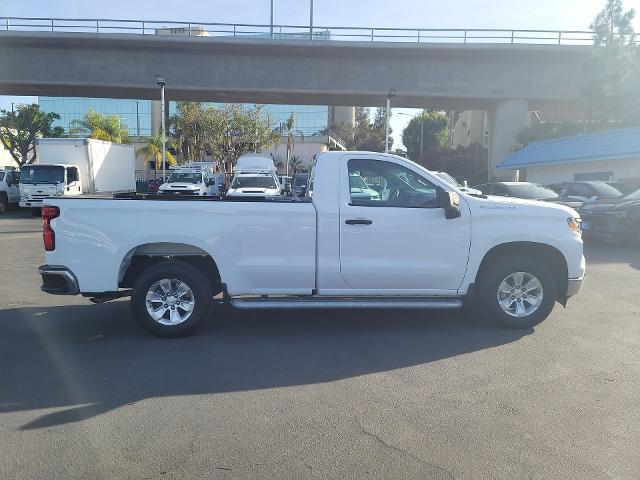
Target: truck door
column 393, row 237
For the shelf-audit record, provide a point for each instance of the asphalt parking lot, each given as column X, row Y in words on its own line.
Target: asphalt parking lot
column 86, row 393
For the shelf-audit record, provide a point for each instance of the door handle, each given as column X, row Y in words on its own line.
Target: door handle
column 358, row 221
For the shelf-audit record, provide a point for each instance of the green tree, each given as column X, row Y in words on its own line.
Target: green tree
column 190, row 127
column 20, row 128
column 153, row 150
column 611, row 90
column 432, row 127
column 101, row 127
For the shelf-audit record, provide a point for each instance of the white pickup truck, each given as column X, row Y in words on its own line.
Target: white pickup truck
column 419, row 243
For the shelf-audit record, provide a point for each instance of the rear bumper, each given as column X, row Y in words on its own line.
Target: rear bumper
column 58, row 280
column 574, row 286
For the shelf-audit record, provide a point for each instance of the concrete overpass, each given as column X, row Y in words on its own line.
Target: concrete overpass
column 507, row 80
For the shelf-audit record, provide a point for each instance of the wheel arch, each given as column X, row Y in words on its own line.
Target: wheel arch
column 143, row 256
column 550, row 256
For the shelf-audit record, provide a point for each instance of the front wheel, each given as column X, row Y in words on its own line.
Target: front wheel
column 171, row 299
column 517, row 291
column 4, row 203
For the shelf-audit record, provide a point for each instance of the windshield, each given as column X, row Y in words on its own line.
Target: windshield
column 254, row 182
column 448, row 178
column 300, row 181
column 633, row 196
column 604, row 190
column 42, row 174
column 532, row 192
column 185, row 178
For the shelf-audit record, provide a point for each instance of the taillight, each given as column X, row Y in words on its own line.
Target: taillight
column 48, row 235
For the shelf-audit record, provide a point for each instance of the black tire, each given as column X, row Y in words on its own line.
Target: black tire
column 36, row 212
column 492, row 276
column 4, row 204
column 189, row 275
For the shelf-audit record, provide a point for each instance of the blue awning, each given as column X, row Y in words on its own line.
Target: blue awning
column 610, row 145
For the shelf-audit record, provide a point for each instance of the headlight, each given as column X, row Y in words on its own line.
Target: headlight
column 574, row 224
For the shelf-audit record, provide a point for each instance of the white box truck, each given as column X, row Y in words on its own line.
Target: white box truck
column 73, row 166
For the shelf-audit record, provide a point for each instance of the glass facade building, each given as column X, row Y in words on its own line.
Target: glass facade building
column 136, row 114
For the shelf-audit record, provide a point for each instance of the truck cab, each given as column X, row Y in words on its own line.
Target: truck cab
column 38, row 182
column 9, row 188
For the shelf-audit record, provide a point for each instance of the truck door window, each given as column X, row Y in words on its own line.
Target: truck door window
column 72, row 175
column 374, row 183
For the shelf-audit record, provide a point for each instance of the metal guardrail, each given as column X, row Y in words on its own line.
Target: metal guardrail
column 302, row 32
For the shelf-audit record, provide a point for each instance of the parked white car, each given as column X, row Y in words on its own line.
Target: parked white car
column 422, row 245
column 255, row 177
column 194, row 178
column 9, row 189
column 257, row 184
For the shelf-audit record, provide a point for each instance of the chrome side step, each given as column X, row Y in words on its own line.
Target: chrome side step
column 351, row 302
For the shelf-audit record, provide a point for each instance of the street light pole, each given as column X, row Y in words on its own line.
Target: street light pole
column 271, row 24
column 161, row 83
column 311, row 20
column 390, row 95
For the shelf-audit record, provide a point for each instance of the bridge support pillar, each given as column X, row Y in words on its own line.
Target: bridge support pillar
column 505, row 119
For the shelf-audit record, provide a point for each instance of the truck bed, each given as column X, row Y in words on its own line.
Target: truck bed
column 252, row 241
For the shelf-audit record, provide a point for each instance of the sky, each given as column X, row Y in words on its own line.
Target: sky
column 508, row 14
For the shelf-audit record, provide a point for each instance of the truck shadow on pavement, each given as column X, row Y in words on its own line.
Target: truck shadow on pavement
column 86, row 360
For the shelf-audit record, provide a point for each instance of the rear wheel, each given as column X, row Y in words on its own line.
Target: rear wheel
column 3, row 204
column 517, row 291
column 171, row 299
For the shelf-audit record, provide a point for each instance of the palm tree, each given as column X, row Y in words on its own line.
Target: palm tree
column 295, row 164
column 287, row 129
column 153, row 150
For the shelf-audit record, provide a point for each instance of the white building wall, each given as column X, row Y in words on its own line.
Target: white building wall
column 6, row 160
column 622, row 171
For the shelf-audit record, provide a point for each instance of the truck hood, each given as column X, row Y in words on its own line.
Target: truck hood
column 617, row 204
column 534, row 206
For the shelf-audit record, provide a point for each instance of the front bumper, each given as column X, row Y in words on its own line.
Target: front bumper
column 58, row 280
column 30, row 203
column 607, row 226
column 574, row 286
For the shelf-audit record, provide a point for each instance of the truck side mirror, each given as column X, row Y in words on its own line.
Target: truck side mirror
column 450, row 202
